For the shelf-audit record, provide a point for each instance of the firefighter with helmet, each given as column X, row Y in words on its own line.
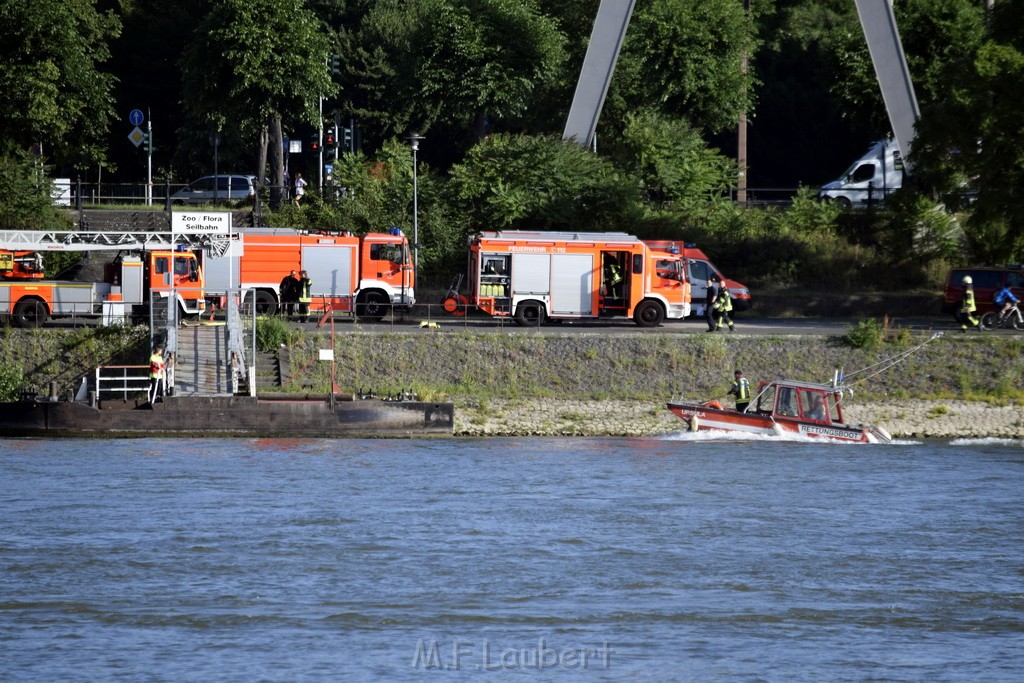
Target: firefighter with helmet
column 723, row 307
column 965, row 315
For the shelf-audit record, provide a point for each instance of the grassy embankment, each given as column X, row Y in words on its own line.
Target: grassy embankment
column 472, row 368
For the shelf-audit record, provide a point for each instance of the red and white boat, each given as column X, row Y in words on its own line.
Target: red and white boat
column 782, row 407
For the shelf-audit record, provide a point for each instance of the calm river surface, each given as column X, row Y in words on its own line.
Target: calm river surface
column 673, row 559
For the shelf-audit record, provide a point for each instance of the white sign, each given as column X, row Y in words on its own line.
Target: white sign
column 295, row 146
column 213, row 222
column 62, row 191
column 326, row 354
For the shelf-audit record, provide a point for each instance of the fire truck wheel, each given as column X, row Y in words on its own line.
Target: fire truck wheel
column 649, row 314
column 30, row 313
column 266, row 304
column 371, row 306
column 529, row 314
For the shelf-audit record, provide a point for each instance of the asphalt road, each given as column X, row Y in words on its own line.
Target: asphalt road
column 485, row 325
column 752, row 325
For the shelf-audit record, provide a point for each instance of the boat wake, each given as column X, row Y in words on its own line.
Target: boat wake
column 721, row 435
column 988, row 441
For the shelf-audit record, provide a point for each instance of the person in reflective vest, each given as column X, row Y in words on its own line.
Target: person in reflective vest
column 613, row 278
column 741, row 389
column 156, row 373
column 305, row 295
column 723, row 306
column 967, row 307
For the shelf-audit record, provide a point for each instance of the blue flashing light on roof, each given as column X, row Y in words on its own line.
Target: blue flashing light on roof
column 394, row 231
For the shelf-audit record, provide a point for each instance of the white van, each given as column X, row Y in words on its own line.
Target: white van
column 872, row 178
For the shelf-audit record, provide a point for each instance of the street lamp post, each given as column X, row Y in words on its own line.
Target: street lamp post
column 414, row 142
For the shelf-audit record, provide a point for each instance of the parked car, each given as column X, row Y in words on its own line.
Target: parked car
column 987, row 281
column 220, row 188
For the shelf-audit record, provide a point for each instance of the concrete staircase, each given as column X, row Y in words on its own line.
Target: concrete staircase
column 202, row 364
column 268, row 372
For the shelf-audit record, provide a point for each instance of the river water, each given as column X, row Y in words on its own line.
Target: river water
column 676, row 558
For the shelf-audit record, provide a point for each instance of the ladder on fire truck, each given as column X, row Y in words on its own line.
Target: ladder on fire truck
column 85, row 240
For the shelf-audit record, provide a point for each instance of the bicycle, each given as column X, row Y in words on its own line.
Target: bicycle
column 1012, row 318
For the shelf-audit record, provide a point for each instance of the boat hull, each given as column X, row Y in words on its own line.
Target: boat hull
column 242, row 416
column 701, row 417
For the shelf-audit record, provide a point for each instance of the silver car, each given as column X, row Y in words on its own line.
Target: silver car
column 220, row 188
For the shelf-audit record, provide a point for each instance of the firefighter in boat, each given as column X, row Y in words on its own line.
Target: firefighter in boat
column 741, row 389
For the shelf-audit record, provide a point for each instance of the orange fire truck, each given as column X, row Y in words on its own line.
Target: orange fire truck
column 148, row 267
column 535, row 276
column 369, row 275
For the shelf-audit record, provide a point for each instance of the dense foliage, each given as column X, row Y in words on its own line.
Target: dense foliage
column 489, row 83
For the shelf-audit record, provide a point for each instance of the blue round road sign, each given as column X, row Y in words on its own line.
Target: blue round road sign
column 136, row 117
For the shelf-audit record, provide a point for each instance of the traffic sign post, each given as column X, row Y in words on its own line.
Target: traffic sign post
column 139, row 137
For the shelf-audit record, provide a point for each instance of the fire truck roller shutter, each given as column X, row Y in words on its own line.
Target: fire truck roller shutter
column 330, row 268
column 572, row 284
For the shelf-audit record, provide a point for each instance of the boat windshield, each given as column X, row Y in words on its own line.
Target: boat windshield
column 812, row 405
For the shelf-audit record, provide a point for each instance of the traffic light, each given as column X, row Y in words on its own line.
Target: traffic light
column 335, row 64
column 314, row 144
column 330, row 143
column 347, row 142
column 147, row 141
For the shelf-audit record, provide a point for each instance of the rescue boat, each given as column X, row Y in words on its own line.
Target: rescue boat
column 780, row 408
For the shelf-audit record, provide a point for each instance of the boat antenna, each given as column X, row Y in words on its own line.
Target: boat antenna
column 890, row 362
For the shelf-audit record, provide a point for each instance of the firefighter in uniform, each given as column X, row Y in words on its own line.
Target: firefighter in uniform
column 156, row 373
column 305, row 297
column 613, row 277
column 741, row 389
column 967, row 307
column 723, row 306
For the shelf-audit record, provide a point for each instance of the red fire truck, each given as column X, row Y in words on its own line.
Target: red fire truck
column 536, row 276
column 368, row 275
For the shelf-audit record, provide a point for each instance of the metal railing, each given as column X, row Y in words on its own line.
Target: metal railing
column 122, row 380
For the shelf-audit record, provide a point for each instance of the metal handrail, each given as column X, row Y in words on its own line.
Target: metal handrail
column 120, row 381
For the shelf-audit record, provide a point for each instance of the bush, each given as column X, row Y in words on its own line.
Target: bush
column 867, row 335
column 12, row 381
column 272, row 333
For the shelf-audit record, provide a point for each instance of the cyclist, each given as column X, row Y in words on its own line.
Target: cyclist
column 1005, row 297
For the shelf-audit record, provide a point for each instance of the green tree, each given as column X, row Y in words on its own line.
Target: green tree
column 55, row 94
column 258, row 65
column 26, row 202
column 535, row 183
column 671, row 161
column 683, row 57
column 416, row 64
column 972, row 139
